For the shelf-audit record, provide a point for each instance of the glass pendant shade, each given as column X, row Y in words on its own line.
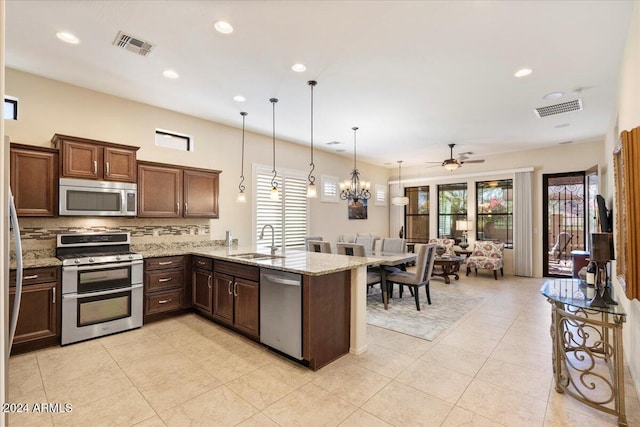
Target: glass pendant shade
column 242, row 198
column 275, row 195
column 311, row 191
column 399, row 200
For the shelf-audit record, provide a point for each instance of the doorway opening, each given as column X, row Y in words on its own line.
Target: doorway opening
column 564, row 222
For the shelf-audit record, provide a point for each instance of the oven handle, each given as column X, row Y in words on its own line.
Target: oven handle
column 100, row 266
column 97, row 294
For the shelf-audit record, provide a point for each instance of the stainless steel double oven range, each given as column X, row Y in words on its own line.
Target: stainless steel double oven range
column 102, row 285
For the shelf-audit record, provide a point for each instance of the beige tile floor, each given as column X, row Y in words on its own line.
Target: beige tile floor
column 491, row 368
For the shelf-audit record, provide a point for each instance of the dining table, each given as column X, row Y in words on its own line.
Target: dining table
column 389, row 259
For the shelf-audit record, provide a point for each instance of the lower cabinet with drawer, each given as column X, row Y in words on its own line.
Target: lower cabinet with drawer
column 164, row 286
column 39, row 317
column 236, row 296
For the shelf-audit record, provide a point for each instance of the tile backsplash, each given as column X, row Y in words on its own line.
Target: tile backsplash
column 39, row 234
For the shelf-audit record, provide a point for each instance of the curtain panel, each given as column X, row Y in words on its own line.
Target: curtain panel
column 522, row 224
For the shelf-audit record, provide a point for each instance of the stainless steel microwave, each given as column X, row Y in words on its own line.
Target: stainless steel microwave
column 81, row 197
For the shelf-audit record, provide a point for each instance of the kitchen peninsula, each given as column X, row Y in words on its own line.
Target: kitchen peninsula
column 333, row 293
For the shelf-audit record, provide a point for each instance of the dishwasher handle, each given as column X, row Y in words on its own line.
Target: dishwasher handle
column 280, row 280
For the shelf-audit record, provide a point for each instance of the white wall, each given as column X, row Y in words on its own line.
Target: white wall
column 556, row 159
column 628, row 118
column 48, row 107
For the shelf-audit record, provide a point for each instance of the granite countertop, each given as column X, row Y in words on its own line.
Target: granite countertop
column 29, row 262
column 296, row 261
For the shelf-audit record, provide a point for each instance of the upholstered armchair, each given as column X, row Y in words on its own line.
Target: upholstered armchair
column 486, row 255
column 447, row 243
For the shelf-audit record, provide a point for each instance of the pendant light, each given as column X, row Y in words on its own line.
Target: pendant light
column 353, row 189
column 311, row 187
column 242, row 198
column 400, row 200
column 274, row 185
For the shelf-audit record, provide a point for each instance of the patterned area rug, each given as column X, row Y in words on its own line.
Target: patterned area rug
column 448, row 304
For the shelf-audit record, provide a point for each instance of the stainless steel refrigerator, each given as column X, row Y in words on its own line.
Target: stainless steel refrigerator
column 11, row 232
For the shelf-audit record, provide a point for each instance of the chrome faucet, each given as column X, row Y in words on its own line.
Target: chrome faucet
column 273, row 237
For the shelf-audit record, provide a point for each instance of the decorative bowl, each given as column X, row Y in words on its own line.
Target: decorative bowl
column 440, row 250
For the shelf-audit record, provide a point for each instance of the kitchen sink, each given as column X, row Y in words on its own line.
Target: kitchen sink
column 254, row 255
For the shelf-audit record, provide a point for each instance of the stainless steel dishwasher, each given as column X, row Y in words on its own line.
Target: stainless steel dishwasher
column 281, row 311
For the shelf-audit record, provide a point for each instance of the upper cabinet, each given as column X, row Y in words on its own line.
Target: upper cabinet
column 34, row 180
column 200, row 193
column 89, row 159
column 168, row 191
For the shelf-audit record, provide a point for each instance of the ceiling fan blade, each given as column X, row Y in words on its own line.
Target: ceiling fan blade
column 474, row 161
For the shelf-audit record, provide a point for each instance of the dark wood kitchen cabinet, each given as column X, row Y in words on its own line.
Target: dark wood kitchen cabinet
column 164, row 286
column 202, row 283
column 39, row 317
column 168, row 191
column 159, row 191
column 34, row 180
column 236, row 296
column 201, row 193
column 90, row 159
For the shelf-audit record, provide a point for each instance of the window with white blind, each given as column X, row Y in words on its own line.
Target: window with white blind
column 288, row 215
column 329, row 189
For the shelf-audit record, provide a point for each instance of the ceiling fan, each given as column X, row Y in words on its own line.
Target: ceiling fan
column 452, row 163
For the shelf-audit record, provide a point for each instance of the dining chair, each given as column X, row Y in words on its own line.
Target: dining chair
column 307, row 239
column 394, row 244
column 421, row 277
column 319, row 246
column 356, row 249
column 368, row 242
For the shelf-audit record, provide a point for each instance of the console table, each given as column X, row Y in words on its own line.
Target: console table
column 587, row 347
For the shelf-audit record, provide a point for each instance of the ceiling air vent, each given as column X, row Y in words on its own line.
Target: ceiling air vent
column 565, row 107
column 132, row 44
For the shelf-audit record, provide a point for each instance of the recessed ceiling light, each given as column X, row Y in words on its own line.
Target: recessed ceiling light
column 239, row 98
column 299, row 68
column 387, row 164
column 67, row 37
column 563, row 125
column 223, row 27
column 553, row 95
column 170, row 74
column 523, row 72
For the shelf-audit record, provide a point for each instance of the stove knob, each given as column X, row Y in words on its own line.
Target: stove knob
column 117, row 257
column 130, row 256
column 76, row 261
column 91, row 260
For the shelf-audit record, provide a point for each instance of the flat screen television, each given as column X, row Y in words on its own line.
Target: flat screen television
column 604, row 216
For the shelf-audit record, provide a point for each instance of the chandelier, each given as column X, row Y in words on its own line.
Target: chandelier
column 354, row 189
